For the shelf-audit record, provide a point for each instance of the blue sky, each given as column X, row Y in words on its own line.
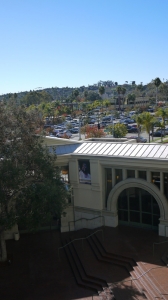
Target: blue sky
column 49, row 43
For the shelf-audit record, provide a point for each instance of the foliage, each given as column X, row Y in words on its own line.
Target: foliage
column 119, row 130
column 92, row 132
column 92, row 96
column 148, row 121
column 157, row 81
column 36, row 98
column 101, row 90
column 131, row 98
column 31, row 190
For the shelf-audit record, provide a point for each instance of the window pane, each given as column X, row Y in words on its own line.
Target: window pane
column 134, row 217
column 146, row 203
column 147, row 219
column 142, row 174
column 118, row 175
column 156, row 209
column 123, row 215
column 156, row 178
column 165, row 176
column 122, row 201
column 130, row 173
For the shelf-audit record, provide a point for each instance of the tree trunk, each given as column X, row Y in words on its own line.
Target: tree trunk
column 3, row 253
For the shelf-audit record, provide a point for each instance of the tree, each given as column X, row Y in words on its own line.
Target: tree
column 31, row 190
column 123, row 91
column 157, row 82
column 36, row 98
column 76, row 94
column 85, row 94
column 131, row 99
column 119, row 90
column 92, row 96
column 148, row 120
column 139, row 120
column 101, row 90
column 163, row 113
column 119, row 130
column 92, row 132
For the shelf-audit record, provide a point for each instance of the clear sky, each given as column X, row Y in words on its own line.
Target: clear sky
column 49, row 43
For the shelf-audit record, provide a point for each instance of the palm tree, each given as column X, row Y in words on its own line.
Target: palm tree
column 123, row 91
column 139, row 120
column 119, row 90
column 157, row 82
column 163, row 113
column 76, row 94
column 147, row 121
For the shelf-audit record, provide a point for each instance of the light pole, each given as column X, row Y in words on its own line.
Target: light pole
column 79, row 128
column 112, row 124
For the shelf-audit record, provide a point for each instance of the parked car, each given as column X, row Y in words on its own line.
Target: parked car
column 141, row 139
column 64, row 133
column 158, row 133
column 74, row 130
column 132, row 129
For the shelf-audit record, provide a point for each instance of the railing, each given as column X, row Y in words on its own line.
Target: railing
column 134, row 279
column 79, row 240
column 158, row 244
column 86, row 220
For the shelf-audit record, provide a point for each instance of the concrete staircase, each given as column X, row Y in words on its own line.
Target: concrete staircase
column 90, row 263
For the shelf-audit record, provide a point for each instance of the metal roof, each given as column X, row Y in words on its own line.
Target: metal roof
column 145, row 151
column 65, row 149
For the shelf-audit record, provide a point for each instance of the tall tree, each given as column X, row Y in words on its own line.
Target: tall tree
column 123, row 92
column 31, row 190
column 76, row 94
column 101, row 90
column 163, row 113
column 139, row 120
column 157, row 82
column 148, row 120
column 119, row 91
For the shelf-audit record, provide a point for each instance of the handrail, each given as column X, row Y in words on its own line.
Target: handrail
column 133, row 279
column 80, row 239
column 158, row 244
column 86, row 220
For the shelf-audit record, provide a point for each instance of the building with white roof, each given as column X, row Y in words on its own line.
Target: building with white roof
column 116, row 183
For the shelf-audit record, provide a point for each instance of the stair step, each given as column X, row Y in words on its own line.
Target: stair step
column 108, row 260
column 97, row 286
column 144, row 283
column 77, row 274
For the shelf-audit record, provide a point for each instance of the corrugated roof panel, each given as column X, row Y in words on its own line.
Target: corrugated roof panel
column 99, row 149
column 164, row 153
column 160, row 151
column 137, row 149
column 112, row 147
column 154, row 150
column 142, row 150
column 127, row 146
column 106, row 146
column 118, row 151
column 91, row 145
column 115, row 150
column 148, row 150
column 94, row 148
column 82, row 148
column 130, row 150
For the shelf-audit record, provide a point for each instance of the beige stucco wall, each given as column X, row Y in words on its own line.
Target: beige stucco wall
column 89, row 200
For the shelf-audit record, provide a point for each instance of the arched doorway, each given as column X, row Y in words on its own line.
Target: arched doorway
column 137, row 207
